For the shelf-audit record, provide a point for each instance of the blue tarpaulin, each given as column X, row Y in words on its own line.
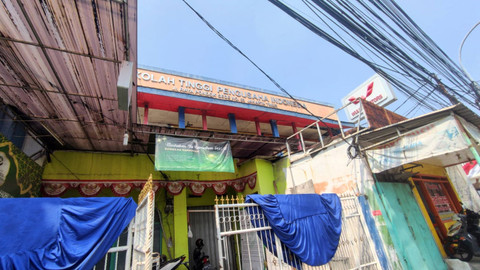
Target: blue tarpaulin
column 309, row 225
column 54, row 233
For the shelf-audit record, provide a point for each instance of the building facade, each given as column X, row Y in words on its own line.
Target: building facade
column 255, row 123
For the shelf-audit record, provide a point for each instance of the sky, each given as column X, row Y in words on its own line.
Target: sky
column 171, row 36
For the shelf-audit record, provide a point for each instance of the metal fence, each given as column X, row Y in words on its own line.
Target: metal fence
column 243, row 246
column 356, row 249
column 297, row 142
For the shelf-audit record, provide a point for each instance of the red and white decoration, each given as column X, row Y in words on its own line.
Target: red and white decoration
column 89, row 188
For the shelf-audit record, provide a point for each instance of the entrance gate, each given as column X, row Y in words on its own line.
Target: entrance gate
column 134, row 248
column 143, row 238
column 240, row 246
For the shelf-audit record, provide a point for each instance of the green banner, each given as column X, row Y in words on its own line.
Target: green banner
column 186, row 154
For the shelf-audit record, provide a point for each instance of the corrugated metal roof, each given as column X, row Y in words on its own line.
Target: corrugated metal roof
column 391, row 131
column 59, row 62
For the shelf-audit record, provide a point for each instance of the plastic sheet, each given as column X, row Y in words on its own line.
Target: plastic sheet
column 309, row 225
column 54, row 233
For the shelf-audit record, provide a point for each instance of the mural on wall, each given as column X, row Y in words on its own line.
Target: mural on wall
column 19, row 175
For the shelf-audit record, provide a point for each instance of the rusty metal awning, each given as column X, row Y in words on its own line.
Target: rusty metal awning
column 59, row 65
column 59, row 62
column 391, row 131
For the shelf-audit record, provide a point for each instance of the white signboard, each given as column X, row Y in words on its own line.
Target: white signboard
column 432, row 140
column 376, row 90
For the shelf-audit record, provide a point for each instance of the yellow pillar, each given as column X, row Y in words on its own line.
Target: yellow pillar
column 265, row 177
column 180, row 224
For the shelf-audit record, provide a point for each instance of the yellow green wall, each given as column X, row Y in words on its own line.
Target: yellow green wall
column 265, row 177
column 109, row 166
column 181, row 225
column 279, row 171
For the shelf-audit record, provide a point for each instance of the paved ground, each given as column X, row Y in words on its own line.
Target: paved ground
column 455, row 264
column 475, row 263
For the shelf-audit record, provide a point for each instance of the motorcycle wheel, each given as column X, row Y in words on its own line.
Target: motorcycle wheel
column 464, row 252
column 450, row 250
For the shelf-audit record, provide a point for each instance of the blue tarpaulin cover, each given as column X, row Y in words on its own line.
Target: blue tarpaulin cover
column 309, row 225
column 54, row 233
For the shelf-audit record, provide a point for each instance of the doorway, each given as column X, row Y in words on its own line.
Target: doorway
column 202, row 226
column 439, row 199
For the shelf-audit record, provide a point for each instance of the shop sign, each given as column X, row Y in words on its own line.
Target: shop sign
column 196, row 87
column 440, row 201
column 376, row 90
column 188, row 154
column 432, row 140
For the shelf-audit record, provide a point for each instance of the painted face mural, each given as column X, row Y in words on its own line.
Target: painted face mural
column 4, row 167
column 18, row 174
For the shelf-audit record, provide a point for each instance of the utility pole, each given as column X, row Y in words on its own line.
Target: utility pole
column 473, row 84
column 441, row 88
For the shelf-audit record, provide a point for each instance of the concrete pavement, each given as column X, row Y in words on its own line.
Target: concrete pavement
column 475, row 263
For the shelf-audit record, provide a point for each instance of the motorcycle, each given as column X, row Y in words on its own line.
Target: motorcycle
column 164, row 264
column 204, row 263
column 473, row 223
column 460, row 244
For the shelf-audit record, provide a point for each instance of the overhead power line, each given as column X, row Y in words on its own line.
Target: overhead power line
column 253, row 63
column 261, row 70
column 381, row 35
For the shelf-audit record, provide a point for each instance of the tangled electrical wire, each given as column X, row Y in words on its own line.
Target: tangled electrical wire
column 381, row 35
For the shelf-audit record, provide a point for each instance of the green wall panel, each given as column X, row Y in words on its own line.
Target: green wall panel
column 265, row 176
column 411, row 236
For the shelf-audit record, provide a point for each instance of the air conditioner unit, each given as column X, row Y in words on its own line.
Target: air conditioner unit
column 124, row 85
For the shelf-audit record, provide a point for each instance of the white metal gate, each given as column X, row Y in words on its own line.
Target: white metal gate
column 143, row 233
column 137, row 238
column 240, row 246
column 119, row 257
